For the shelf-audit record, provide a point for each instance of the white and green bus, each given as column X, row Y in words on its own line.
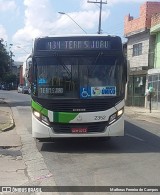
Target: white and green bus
column 78, row 86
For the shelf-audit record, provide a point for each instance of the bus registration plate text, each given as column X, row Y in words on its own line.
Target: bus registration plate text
column 79, row 130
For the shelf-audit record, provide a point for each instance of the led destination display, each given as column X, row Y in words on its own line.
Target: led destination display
column 77, row 43
column 94, row 44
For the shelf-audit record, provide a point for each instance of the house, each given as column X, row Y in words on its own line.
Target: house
column 17, row 70
column 153, row 78
column 140, row 51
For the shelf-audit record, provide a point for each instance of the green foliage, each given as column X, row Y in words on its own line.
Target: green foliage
column 9, row 78
column 4, row 60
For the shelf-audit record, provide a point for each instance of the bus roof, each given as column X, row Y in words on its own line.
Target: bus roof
column 77, row 35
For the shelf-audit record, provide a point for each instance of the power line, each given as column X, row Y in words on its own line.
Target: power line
column 100, row 12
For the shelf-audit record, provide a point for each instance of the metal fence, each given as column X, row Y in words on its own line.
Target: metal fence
column 136, row 90
column 154, row 81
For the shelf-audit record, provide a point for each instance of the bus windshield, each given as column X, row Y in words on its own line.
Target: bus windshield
column 79, row 77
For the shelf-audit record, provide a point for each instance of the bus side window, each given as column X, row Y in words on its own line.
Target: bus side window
column 29, row 75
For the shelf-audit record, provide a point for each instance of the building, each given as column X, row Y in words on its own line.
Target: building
column 17, row 70
column 26, row 69
column 153, row 78
column 155, row 31
column 140, row 51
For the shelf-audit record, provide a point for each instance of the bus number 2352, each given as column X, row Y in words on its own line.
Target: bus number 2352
column 99, row 118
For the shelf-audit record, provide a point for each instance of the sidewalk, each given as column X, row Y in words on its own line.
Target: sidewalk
column 21, row 164
column 140, row 113
column 12, row 167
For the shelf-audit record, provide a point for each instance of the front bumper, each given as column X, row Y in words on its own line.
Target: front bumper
column 40, row 130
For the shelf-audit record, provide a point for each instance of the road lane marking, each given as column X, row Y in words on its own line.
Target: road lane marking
column 134, row 137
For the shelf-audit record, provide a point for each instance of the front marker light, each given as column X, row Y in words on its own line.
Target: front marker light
column 115, row 116
column 112, row 118
column 36, row 114
column 45, row 120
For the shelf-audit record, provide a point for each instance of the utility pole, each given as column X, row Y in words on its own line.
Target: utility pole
column 100, row 12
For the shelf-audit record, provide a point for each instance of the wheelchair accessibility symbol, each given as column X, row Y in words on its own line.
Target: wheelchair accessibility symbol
column 84, row 93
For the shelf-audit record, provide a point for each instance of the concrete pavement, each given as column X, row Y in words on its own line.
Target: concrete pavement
column 144, row 114
column 12, row 166
column 21, row 163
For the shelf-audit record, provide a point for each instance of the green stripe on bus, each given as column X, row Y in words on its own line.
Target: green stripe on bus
column 61, row 117
column 64, row 117
column 56, row 116
column 44, row 112
column 36, row 106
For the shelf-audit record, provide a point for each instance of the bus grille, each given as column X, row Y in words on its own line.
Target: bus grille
column 91, row 127
column 89, row 107
column 76, row 105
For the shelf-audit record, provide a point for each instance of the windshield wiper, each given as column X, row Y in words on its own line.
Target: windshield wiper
column 64, row 66
column 94, row 63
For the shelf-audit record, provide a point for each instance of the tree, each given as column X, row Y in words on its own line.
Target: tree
column 9, row 78
column 4, row 60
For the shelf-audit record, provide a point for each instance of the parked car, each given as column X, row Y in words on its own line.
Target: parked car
column 29, row 90
column 25, row 89
column 5, row 87
column 19, row 90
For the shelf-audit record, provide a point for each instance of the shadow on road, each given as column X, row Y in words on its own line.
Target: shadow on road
column 15, row 104
column 136, row 140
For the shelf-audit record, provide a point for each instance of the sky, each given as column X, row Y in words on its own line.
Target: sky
column 23, row 20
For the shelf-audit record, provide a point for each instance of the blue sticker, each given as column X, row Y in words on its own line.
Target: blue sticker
column 89, row 92
column 103, row 91
column 85, row 92
column 42, row 81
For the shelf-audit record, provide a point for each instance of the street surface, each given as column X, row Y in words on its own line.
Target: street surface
column 122, row 161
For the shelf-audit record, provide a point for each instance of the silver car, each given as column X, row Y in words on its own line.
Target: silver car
column 20, row 88
column 25, row 89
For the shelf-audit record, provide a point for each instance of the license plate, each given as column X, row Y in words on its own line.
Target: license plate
column 79, row 130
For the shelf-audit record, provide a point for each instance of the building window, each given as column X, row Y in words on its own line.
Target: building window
column 137, row 49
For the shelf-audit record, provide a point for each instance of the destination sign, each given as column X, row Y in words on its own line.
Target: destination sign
column 95, row 44
column 50, row 90
column 54, row 45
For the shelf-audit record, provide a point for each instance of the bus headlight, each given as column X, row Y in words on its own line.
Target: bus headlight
column 40, row 117
column 120, row 112
column 115, row 116
column 36, row 114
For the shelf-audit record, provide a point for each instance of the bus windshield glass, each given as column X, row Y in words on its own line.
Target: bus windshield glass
column 79, row 76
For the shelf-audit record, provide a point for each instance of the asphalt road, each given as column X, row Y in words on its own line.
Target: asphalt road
column 130, row 160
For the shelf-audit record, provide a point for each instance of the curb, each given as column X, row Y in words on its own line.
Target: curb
column 11, row 123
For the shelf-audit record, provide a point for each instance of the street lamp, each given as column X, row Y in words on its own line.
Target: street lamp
column 22, row 49
column 63, row 13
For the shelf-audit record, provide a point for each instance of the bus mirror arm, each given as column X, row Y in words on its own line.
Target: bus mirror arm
column 127, row 70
